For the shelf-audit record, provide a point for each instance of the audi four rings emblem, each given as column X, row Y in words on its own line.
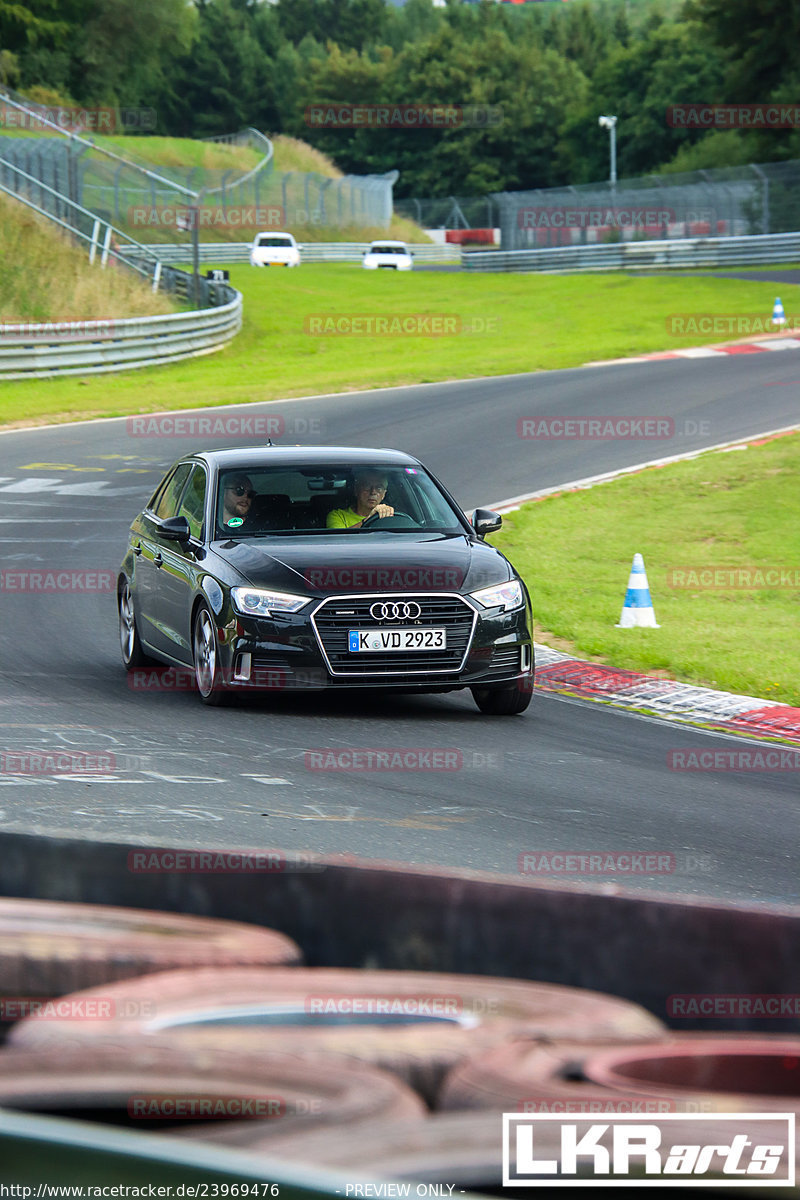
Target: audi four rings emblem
column 395, row 610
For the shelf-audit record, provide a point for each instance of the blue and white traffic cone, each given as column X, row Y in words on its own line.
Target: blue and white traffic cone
column 778, row 315
column 637, row 608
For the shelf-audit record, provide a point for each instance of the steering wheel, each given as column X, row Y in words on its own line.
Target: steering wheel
column 384, row 521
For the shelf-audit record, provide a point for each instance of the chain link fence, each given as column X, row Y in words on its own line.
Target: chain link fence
column 452, row 212
column 153, row 202
column 720, row 202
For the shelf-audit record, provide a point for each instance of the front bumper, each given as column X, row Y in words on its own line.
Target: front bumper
column 307, row 650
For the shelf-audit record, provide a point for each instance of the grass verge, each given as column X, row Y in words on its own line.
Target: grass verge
column 46, row 277
column 529, row 323
column 719, row 519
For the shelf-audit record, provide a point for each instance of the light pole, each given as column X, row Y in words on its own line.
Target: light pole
column 610, row 123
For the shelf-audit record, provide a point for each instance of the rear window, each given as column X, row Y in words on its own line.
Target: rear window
column 271, row 240
column 388, row 250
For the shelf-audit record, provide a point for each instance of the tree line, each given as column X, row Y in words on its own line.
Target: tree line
column 542, row 73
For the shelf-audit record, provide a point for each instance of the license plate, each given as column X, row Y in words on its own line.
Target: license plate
column 360, row 640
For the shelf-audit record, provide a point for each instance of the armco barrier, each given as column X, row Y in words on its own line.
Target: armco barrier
column 31, row 352
column 624, row 256
column 233, row 252
column 43, row 1150
column 385, row 915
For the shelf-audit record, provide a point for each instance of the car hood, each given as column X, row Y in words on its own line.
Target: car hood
column 361, row 563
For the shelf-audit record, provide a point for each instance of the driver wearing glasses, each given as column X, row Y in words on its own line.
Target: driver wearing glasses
column 238, row 496
column 370, row 488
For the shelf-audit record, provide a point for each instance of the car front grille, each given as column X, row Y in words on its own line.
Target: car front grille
column 337, row 615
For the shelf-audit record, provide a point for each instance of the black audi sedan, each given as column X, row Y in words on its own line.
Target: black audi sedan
column 335, row 567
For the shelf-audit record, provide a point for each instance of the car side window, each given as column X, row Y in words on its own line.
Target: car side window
column 194, row 501
column 167, row 504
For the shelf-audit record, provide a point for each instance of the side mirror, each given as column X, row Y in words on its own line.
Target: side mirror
column 411, row 254
column 485, row 521
column 175, row 529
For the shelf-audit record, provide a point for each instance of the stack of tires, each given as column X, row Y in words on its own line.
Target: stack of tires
column 214, row 1030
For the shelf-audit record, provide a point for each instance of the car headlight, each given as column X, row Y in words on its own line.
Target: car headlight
column 256, row 602
column 505, row 595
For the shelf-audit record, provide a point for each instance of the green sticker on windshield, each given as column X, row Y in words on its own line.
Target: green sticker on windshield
column 236, row 521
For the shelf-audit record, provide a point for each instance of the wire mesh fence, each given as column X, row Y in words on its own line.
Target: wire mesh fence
column 452, row 212
column 157, row 203
column 720, row 202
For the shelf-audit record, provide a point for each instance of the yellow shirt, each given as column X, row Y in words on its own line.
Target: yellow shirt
column 343, row 518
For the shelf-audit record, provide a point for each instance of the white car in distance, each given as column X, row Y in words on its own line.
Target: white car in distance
column 274, row 250
column 394, row 256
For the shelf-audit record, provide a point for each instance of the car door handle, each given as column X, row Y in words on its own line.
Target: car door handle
column 137, row 549
column 158, row 561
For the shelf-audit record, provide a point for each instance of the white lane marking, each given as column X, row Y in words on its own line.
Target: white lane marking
column 267, row 779
column 700, row 352
column 36, row 484
column 781, row 344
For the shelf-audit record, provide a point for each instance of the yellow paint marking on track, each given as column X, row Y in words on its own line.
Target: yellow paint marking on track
column 57, row 467
column 438, row 824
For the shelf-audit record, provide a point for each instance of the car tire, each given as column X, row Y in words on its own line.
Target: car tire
column 205, row 656
column 133, row 655
column 49, row 948
column 502, row 701
column 157, row 1086
column 470, row 1015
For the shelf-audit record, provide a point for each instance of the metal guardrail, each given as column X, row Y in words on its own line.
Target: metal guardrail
column 30, row 351
column 233, row 252
column 619, row 256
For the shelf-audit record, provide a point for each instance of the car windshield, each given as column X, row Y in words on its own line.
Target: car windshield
column 331, row 500
column 388, row 250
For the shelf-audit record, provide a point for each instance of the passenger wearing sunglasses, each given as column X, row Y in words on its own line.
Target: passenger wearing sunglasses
column 237, row 500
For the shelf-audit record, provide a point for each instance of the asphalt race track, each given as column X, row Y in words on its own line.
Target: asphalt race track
column 565, row 776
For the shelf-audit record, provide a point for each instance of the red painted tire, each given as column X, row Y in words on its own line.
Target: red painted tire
column 156, row 1085
column 48, row 948
column 436, row 1020
column 750, row 1071
column 528, row 1076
